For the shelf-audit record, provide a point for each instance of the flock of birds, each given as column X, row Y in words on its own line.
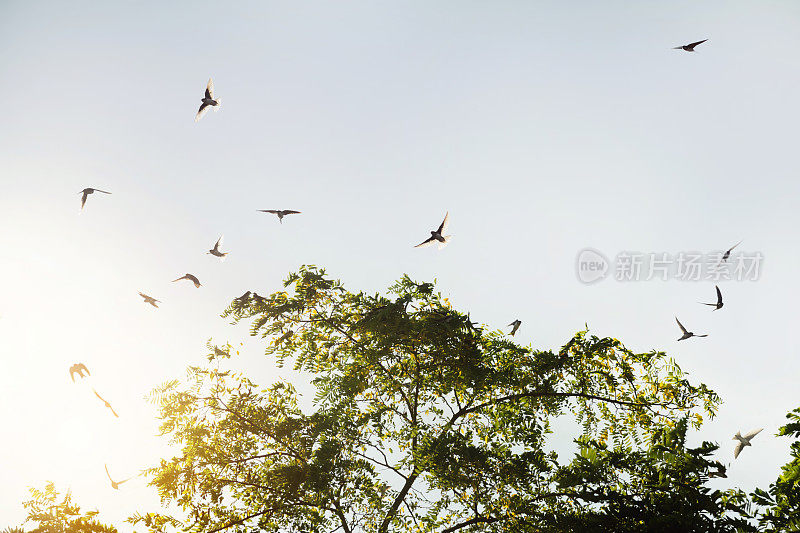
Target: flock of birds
column 437, row 236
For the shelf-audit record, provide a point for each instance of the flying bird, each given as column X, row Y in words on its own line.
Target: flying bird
column 280, row 212
column 686, row 334
column 689, row 47
column 78, row 368
column 208, row 101
column 149, row 299
column 115, row 484
column 438, row 235
column 744, row 441
column 215, row 250
column 515, row 326
column 86, row 192
column 727, row 254
column 191, row 278
column 719, row 303
column 105, row 402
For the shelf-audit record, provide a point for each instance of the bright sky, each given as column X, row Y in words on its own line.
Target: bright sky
column 543, row 127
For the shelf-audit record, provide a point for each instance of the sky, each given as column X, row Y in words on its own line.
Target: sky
column 543, row 128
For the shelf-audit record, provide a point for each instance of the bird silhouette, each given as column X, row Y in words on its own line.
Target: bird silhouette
column 686, row 334
column 115, row 484
column 86, row 192
column 78, row 368
column 719, row 303
column 215, row 250
column 149, row 300
column 243, row 298
column 190, row 277
column 515, row 326
column 744, row 441
column 105, row 402
column 280, row 212
column 438, row 235
column 727, row 254
column 689, row 47
column 209, row 100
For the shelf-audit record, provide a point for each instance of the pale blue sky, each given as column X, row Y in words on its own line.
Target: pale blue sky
column 543, row 127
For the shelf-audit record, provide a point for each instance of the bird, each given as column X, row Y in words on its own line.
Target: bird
column 243, row 298
column 149, row 300
column 285, row 336
column 689, row 47
column 259, row 299
column 115, row 484
column 78, row 368
column 686, row 334
column 437, row 235
column 744, row 441
column 719, row 303
column 86, row 192
column 215, row 250
column 191, row 278
column 727, row 254
column 209, row 100
column 280, row 212
column 105, row 402
column 515, row 326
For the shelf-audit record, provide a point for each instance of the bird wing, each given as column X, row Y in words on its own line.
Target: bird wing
column 72, row 372
column 210, row 89
column 734, row 246
column 202, row 111
column 83, row 198
column 719, row 295
column 426, row 242
column 81, row 366
column 738, row 450
column 683, row 329
column 290, row 212
column 101, row 398
column 219, row 241
column 180, row 278
column 273, row 211
column 443, row 225
column 752, row 434
column 692, row 45
column 109, row 475
column 98, row 190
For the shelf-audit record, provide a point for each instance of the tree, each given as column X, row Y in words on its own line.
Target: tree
column 60, row 515
column 660, row 488
column 781, row 502
column 423, row 421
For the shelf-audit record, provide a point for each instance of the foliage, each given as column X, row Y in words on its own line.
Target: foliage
column 425, row 421
column 53, row 514
column 661, row 488
column 781, row 502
